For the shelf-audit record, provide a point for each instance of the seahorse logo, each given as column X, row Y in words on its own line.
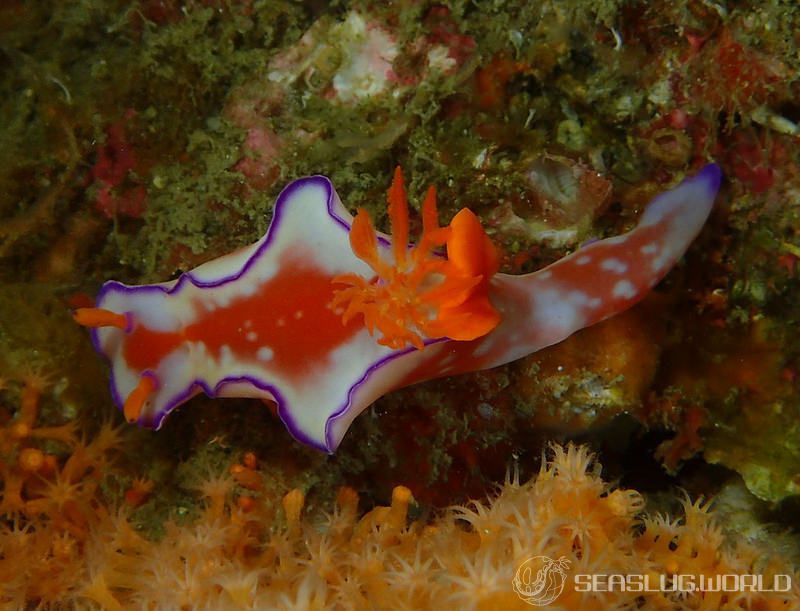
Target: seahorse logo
column 540, row 580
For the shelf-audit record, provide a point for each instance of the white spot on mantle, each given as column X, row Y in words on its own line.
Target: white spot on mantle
column 624, row 289
column 557, row 311
column 225, row 354
column 265, row 353
column 614, row 265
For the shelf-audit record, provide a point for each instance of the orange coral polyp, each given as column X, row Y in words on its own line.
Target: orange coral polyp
column 420, row 294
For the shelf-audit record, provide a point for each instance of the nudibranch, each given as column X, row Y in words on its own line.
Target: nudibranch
column 324, row 314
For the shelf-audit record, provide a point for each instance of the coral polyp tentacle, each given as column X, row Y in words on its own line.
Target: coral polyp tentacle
column 420, row 295
column 98, row 317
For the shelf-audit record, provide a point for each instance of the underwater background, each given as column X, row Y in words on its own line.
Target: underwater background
column 140, row 139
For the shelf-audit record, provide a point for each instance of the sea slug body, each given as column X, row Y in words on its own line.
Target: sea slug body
column 323, row 315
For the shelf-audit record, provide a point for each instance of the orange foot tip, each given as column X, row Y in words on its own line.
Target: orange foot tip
column 98, row 317
column 139, row 395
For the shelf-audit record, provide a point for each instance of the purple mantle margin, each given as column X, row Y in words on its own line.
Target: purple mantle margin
column 710, row 175
column 284, row 411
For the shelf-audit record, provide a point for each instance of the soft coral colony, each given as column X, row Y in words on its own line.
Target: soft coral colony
column 260, row 550
column 323, row 315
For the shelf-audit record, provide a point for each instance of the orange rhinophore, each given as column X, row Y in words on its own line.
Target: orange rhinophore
column 98, row 317
column 421, row 295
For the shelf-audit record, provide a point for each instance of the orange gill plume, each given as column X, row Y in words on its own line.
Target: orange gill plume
column 417, row 294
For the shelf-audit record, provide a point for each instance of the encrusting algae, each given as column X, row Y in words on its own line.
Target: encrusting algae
column 254, row 550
